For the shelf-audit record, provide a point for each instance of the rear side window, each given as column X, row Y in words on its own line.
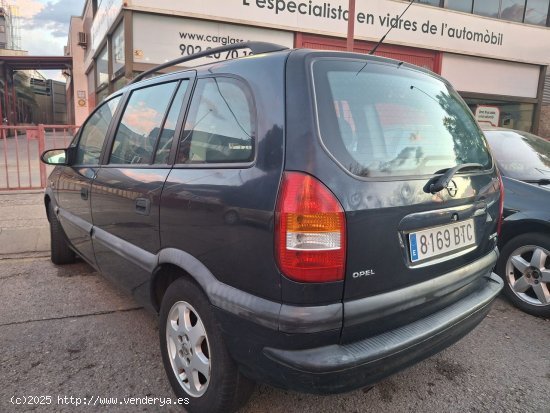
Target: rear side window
column 140, row 126
column 386, row 121
column 221, row 124
column 94, row 132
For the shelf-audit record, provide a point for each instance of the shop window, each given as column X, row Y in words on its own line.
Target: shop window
column 120, row 83
column 90, row 77
column 436, row 3
column 92, row 98
column 459, row 5
column 489, row 8
column 117, row 43
column 536, row 12
column 430, row 2
column 512, row 10
column 102, row 68
column 527, row 11
column 513, row 115
column 102, row 94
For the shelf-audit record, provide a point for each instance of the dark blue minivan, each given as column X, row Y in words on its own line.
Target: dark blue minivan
column 309, row 219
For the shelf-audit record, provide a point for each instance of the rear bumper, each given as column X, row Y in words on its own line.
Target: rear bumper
column 343, row 346
column 338, row 368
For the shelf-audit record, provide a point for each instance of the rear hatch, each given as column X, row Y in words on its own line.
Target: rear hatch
column 393, row 131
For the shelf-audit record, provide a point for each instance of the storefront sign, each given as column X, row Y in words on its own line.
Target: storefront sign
column 488, row 115
column 177, row 36
column 422, row 26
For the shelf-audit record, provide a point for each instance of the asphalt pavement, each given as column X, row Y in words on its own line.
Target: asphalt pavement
column 67, row 332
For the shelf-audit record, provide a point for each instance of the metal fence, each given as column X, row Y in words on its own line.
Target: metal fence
column 20, row 150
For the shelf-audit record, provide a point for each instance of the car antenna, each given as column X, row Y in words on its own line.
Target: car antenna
column 388, row 32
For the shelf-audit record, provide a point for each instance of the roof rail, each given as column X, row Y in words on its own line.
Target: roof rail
column 255, row 47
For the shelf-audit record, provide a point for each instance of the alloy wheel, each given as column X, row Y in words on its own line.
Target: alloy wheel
column 188, row 348
column 528, row 275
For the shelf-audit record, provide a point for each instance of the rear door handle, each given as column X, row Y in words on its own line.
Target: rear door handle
column 84, row 193
column 143, row 206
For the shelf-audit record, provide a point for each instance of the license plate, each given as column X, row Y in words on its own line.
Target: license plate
column 441, row 240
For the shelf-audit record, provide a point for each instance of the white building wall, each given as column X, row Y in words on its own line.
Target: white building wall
column 495, row 77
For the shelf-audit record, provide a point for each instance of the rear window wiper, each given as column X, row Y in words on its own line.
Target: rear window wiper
column 437, row 184
column 542, row 181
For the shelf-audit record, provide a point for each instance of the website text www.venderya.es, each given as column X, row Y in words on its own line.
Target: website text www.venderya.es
column 63, row 400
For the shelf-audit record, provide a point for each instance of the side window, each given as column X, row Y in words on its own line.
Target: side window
column 94, row 133
column 140, row 125
column 169, row 128
column 221, row 124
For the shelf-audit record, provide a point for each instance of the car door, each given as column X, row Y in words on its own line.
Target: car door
column 75, row 180
column 127, row 189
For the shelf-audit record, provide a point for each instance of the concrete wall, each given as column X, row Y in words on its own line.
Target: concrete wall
column 9, row 52
column 52, row 108
column 59, row 102
column 43, row 113
column 544, row 125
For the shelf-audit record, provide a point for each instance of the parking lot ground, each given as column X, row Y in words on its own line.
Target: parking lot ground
column 66, row 331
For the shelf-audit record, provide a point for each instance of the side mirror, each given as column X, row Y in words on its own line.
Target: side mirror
column 55, row 157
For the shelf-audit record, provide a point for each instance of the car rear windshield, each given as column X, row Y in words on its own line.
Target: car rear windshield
column 520, row 155
column 386, row 120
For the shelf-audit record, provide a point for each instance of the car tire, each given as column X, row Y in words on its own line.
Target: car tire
column 524, row 265
column 194, row 355
column 60, row 252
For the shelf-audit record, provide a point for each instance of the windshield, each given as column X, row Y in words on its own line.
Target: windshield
column 520, row 155
column 387, row 120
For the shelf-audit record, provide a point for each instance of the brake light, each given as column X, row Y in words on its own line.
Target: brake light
column 500, row 205
column 310, row 233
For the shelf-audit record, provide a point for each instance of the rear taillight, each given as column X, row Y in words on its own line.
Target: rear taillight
column 310, row 233
column 500, row 205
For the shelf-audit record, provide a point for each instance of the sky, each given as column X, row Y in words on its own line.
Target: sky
column 45, row 25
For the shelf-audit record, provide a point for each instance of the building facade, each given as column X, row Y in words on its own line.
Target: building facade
column 494, row 52
column 26, row 96
column 10, row 37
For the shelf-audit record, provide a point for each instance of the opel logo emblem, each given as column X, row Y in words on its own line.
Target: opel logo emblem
column 452, row 188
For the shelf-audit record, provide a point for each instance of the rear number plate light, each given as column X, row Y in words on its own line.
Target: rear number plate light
column 446, row 239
